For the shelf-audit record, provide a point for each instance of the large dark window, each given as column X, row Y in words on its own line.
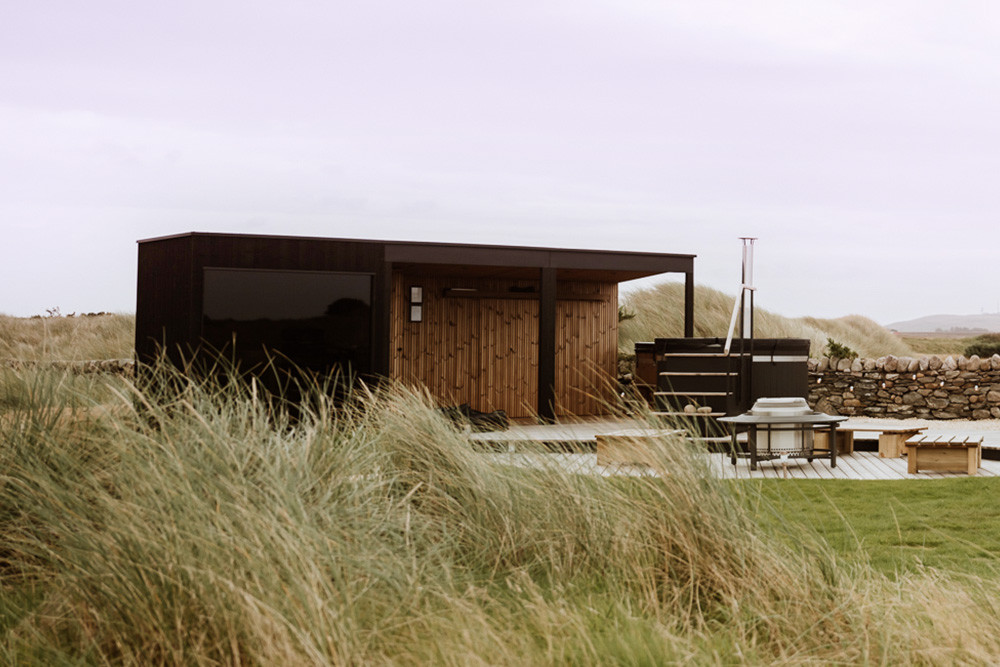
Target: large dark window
column 318, row 320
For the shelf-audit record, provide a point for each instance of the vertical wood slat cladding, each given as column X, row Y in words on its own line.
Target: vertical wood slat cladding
column 164, row 286
column 467, row 350
column 586, row 349
column 170, row 280
column 484, row 351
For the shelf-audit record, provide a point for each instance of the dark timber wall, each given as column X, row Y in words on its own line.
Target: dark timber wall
column 538, row 335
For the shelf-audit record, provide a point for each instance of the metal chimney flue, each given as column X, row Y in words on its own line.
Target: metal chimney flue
column 746, row 330
column 740, row 305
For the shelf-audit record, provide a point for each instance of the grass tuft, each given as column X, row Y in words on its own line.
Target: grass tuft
column 204, row 526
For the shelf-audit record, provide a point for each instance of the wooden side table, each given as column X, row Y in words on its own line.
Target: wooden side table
column 942, row 453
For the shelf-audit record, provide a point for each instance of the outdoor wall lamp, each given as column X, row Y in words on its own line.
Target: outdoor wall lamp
column 416, row 303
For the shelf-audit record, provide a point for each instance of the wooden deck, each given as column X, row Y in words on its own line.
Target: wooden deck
column 856, row 466
column 586, row 430
column 860, row 465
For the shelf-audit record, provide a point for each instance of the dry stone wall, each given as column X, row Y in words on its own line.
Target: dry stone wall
column 907, row 387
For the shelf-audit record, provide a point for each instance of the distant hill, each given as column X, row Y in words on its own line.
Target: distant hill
column 658, row 312
column 962, row 324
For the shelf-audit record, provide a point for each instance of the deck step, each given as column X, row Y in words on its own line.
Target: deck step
column 719, row 355
column 688, row 414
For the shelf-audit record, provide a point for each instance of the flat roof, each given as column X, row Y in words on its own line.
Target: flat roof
column 437, row 257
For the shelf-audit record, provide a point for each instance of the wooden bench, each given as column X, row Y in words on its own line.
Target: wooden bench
column 891, row 440
column 943, row 453
column 632, row 446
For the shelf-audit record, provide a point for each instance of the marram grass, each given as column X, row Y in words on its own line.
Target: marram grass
column 203, row 527
column 659, row 313
column 63, row 338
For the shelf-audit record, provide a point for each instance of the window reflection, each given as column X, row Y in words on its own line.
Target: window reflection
column 320, row 321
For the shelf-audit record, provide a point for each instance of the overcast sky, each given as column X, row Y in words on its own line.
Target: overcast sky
column 860, row 141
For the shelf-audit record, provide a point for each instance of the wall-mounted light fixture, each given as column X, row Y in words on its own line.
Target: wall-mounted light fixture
column 416, row 303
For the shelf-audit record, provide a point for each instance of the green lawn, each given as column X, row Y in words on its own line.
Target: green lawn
column 898, row 526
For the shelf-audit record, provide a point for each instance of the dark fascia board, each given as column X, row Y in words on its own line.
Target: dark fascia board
column 482, row 255
column 419, row 252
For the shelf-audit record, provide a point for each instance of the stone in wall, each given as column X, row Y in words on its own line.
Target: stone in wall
column 822, row 405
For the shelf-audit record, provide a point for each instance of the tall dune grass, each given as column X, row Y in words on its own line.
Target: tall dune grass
column 204, row 527
column 659, row 313
column 107, row 336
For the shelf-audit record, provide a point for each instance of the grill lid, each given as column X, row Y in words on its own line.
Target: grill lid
column 792, row 406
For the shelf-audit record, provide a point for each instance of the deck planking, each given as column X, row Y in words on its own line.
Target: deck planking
column 859, row 466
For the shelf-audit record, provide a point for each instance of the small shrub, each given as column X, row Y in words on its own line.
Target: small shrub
column 839, row 351
column 625, row 314
column 984, row 346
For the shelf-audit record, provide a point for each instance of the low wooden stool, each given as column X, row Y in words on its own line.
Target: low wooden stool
column 631, row 446
column 845, row 441
column 890, row 440
column 942, row 453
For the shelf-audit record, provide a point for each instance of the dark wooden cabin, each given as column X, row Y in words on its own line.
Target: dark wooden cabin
column 532, row 331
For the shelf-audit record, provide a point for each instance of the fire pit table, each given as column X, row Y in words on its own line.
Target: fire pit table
column 783, row 428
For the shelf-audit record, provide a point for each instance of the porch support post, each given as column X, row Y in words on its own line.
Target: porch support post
column 547, row 346
column 382, row 324
column 689, row 304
